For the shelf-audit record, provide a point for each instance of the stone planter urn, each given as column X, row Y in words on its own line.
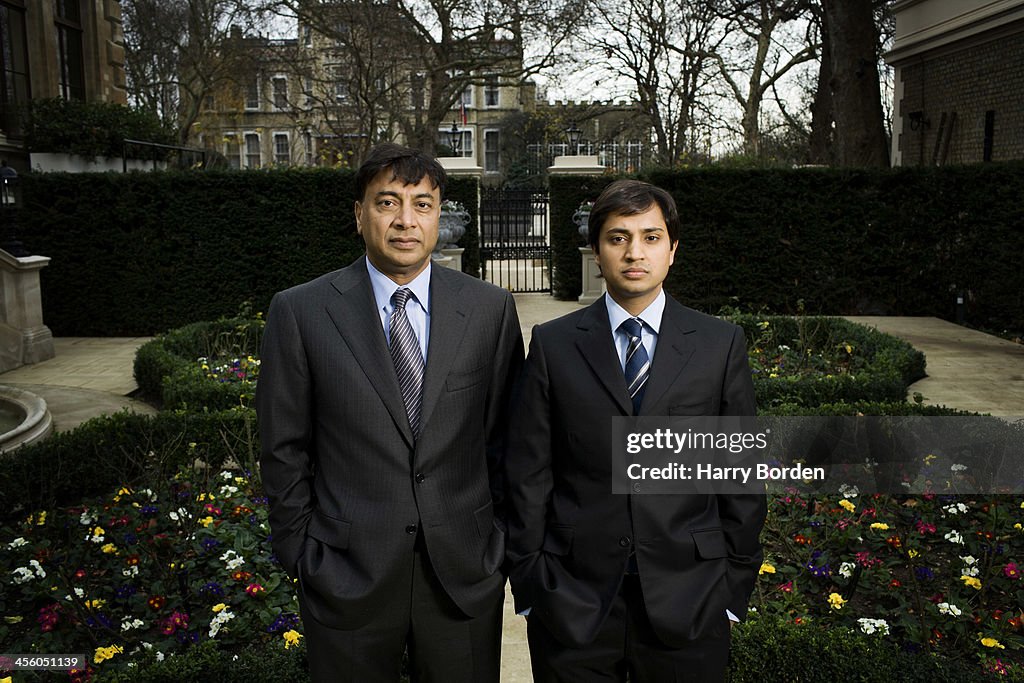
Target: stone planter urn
column 593, row 283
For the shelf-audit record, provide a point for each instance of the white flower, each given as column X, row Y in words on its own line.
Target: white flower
column 23, row 575
column 874, row 625
column 130, row 572
column 226, row 475
column 232, row 559
column 954, row 537
column 86, row 519
column 159, row 656
column 128, row 624
column 146, row 646
column 17, row 543
column 848, row 491
column 846, row 569
column 228, row 490
column 946, row 608
column 39, row 568
column 955, row 508
column 957, row 468
column 219, row 620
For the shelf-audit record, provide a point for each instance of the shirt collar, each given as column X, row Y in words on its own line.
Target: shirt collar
column 651, row 316
column 384, row 287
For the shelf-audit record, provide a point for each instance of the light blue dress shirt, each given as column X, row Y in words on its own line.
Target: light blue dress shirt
column 417, row 309
column 651, row 319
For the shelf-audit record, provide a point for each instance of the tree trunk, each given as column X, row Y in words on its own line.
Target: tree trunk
column 856, row 96
column 822, row 114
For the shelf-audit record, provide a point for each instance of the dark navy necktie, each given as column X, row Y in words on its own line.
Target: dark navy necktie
column 408, row 359
column 638, row 363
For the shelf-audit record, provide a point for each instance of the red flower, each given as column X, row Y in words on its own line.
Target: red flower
column 132, row 560
column 895, row 583
column 254, row 589
column 157, row 602
column 894, row 541
column 1011, row 570
column 925, row 527
column 80, row 574
column 786, row 587
column 241, row 576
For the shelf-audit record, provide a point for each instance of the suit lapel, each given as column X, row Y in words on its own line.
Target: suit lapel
column 354, row 314
column 673, row 353
column 594, row 342
column 449, row 317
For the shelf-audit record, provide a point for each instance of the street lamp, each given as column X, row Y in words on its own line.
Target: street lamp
column 9, row 207
column 455, row 139
column 574, row 135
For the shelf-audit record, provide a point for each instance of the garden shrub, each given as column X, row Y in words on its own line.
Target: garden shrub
column 812, row 360
column 93, row 129
column 209, row 365
column 139, row 253
column 210, row 662
column 124, row 448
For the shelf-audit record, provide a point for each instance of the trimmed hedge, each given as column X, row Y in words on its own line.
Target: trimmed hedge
column 207, row 662
column 167, row 371
column 903, row 241
column 134, row 254
column 884, row 365
column 122, row 449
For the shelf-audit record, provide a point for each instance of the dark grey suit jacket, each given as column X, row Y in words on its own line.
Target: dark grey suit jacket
column 570, row 536
column 349, row 486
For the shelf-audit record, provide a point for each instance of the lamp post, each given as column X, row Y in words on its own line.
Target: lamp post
column 9, row 192
column 455, row 139
column 574, row 135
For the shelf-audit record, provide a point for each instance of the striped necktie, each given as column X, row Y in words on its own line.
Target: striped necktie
column 408, row 359
column 638, row 364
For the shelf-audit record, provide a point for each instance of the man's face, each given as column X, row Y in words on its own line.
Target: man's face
column 634, row 253
column 399, row 225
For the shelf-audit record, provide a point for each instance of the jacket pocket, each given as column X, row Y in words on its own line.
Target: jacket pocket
column 710, row 543
column 702, row 408
column 558, row 539
column 330, row 530
column 463, row 380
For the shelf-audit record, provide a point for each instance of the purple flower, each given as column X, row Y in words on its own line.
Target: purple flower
column 210, row 544
column 212, row 588
column 924, row 573
column 126, row 591
column 149, row 510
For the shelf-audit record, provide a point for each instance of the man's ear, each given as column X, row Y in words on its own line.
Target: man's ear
column 359, row 217
column 672, row 258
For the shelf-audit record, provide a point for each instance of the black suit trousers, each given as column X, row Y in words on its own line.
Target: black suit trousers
column 627, row 645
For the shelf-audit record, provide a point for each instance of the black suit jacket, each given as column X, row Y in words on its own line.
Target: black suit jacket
column 349, row 487
column 570, row 536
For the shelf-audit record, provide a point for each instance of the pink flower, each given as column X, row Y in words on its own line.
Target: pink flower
column 1011, row 570
column 254, row 589
column 925, row 527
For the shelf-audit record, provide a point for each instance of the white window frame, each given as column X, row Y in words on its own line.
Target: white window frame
column 273, row 92
column 468, row 150
column 277, row 135
column 228, row 136
column 259, row 149
column 497, row 152
column 249, row 106
column 495, row 89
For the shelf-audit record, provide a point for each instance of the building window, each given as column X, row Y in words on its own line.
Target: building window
column 307, row 139
column 71, row 70
column 282, row 150
column 252, row 150
column 340, row 85
column 491, row 92
column 466, row 138
column 280, row 86
column 252, row 93
column 232, row 150
column 307, row 36
column 492, row 145
column 307, row 90
column 209, row 103
column 14, row 77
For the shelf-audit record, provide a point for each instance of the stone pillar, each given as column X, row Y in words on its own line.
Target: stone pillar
column 24, row 339
column 593, row 283
column 455, row 256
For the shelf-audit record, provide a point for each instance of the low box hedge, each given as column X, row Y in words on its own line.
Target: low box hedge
column 121, row 449
column 169, row 373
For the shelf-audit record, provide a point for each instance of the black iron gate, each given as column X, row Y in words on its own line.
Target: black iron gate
column 515, row 245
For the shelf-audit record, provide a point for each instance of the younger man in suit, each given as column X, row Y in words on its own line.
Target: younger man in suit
column 382, row 403
column 627, row 584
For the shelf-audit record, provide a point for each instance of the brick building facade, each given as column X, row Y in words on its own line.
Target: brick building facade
column 959, row 81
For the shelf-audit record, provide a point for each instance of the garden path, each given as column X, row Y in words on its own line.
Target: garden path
column 966, row 369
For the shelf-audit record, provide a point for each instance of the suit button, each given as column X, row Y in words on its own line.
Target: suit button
column 636, row 488
column 420, row 478
column 625, row 541
column 411, row 529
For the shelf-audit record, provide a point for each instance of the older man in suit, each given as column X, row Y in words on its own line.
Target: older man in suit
column 382, row 406
column 627, row 585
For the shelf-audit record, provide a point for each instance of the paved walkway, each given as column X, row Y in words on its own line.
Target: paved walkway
column 967, row 370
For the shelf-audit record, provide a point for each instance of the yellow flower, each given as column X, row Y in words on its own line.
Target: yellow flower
column 109, row 549
column 1018, row 527
column 105, row 653
column 912, row 553
column 98, row 531
column 291, row 638
column 206, row 521
column 928, row 458
column 836, row 601
column 972, row 581
column 881, row 526
column 849, row 348
column 219, row 607
column 95, row 604
column 847, row 505
column 766, row 569
column 992, row 642
column 5, row 680
column 41, row 519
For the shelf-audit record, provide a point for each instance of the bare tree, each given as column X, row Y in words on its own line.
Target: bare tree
column 776, row 36
column 179, row 52
column 856, row 96
column 445, row 47
column 663, row 49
